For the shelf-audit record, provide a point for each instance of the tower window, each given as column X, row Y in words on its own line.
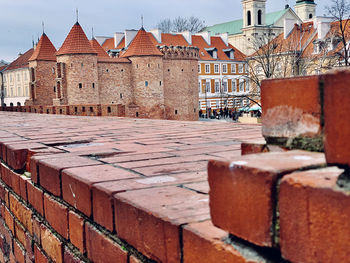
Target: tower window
column 80, row 85
column 109, row 110
column 259, row 17
column 121, row 95
column 146, row 83
column 83, row 109
column 249, row 18
column 310, row 16
column 93, row 85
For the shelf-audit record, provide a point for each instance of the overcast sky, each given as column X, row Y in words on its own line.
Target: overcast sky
column 22, row 19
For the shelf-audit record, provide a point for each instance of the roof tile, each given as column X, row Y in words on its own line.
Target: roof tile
column 101, row 53
column 45, row 50
column 22, row 61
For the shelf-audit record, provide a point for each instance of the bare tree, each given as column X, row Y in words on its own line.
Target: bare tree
column 180, row 24
column 165, row 25
column 340, row 11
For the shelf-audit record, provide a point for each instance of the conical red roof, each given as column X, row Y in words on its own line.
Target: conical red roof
column 101, row 53
column 142, row 45
column 76, row 43
column 44, row 50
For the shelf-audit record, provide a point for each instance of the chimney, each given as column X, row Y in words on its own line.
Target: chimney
column 188, row 36
column 157, row 34
column 288, row 25
column 322, row 29
column 206, row 36
column 117, row 38
column 129, row 36
column 224, row 37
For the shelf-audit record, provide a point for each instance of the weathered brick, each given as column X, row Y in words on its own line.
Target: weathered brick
column 18, row 252
column 153, row 227
column 56, row 215
column 69, row 257
column 242, row 193
column 23, row 187
column 36, row 229
column 51, row 244
column 292, row 107
column 50, row 171
column 23, row 213
column 20, row 233
column 9, row 220
column 76, row 230
column 203, row 241
column 77, row 182
column 36, row 198
column 102, row 249
column 314, row 217
column 102, row 193
column 39, row 256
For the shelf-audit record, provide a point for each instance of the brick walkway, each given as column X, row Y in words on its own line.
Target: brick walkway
column 127, row 176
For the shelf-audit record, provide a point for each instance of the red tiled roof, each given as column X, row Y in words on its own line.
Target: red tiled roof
column 173, row 40
column 142, row 45
column 108, row 44
column 2, row 67
column 101, row 53
column 45, row 50
column 76, row 43
column 22, row 61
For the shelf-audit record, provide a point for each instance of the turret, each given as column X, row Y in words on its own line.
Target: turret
column 305, row 9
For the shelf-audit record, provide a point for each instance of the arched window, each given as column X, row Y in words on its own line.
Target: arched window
column 249, row 18
column 310, row 16
column 259, row 17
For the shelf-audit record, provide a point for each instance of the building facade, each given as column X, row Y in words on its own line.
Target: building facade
column 148, row 81
column 256, row 22
column 16, row 78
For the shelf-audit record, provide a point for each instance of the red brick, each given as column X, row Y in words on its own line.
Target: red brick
column 56, row 215
column 292, row 107
column 22, row 213
column 69, row 257
column 314, row 217
column 23, row 187
column 18, row 252
column 51, row 245
column 336, row 119
column 153, row 227
column 9, row 220
column 50, row 171
column 2, row 191
column 20, row 233
column 5, row 175
column 254, row 147
column 102, row 249
column 102, row 193
column 36, row 198
column 29, row 247
column 39, row 255
column 76, row 230
column 204, row 242
column 133, row 259
column 77, row 182
column 14, row 182
column 36, row 229
column 242, row 193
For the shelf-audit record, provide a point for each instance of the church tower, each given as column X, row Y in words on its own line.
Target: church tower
column 254, row 12
column 305, row 9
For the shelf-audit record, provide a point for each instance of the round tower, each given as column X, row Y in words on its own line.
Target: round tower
column 77, row 74
column 254, row 13
column 305, row 9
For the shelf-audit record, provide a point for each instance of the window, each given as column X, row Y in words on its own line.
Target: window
column 224, row 68
column 75, row 109
column 233, row 68
column 240, row 68
column 216, row 68
column 232, row 54
column 175, row 112
column 91, row 109
column 199, row 68
column 217, row 86
column 83, row 109
column 53, row 70
column 234, row 86
column 80, row 85
column 217, row 103
column 93, row 85
column 207, row 68
column 199, row 87
column 249, row 18
column 146, row 83
column 224, row 85
column 109, row 110
column 207, row 87
column 215, row 54
column 241, row 85
column 259, row 17
column 246, row 68
column 160, row 83
column 310, row 16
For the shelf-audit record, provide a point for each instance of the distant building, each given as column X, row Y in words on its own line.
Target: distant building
column 256, row 22
column 222, row 69
column 3, row 66
column 16, row 80
column 148, row 81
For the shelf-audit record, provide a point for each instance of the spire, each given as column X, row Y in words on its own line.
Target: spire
column 142, row 45
column 42, row 23
column 77, row 12
column 92, row 33
column 45, row 50
column 141, row 21
column 76, row 43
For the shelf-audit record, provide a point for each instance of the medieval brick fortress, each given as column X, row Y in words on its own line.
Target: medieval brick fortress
column 145, row 81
